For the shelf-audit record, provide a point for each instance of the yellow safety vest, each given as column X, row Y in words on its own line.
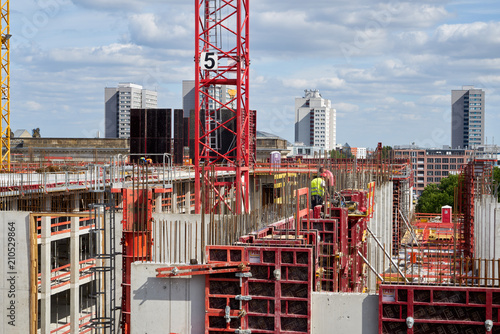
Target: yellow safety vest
column 316, row 187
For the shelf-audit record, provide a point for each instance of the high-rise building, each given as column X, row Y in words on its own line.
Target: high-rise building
column 467, row 117
column 118, row 102
column 222, row 93
column 315, row 121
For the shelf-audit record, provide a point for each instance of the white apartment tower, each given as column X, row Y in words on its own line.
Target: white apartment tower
column 315, row 121
column 118, row 102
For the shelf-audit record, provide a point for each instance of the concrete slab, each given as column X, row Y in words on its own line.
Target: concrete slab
column 174, row 305
column 344, row 313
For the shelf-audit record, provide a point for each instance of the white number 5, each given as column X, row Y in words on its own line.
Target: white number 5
column 209, row 60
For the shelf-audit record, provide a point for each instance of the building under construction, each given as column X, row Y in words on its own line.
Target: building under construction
column 103, row 247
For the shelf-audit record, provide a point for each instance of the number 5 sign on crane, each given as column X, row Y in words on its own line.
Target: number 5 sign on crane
column 209, row 61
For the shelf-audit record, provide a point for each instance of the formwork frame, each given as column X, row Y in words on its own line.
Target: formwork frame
column 219, row 65
column 277, row 294
column 466, row 208
column 437, row 309
column 136, row 241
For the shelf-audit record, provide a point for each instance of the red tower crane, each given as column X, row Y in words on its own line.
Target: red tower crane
column 223, row 120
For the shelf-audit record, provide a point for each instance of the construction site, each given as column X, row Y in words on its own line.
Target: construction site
column 120, row 244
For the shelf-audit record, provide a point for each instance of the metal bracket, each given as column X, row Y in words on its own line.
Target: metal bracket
column 243, row 331
column 244, row 298
column 175, row 271
column 245, row 274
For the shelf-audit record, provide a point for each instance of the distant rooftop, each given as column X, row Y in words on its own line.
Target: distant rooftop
column 263, row 134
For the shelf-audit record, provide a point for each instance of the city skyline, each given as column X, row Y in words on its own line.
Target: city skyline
column 383, row 65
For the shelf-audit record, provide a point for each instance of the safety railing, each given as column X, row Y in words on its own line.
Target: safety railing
column 60, row 276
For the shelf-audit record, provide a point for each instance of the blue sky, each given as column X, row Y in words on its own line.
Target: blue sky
column 388, row 67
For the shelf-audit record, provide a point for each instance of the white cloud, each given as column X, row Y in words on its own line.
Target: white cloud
column 343, row 107
column 33, row 106
column 157, row 31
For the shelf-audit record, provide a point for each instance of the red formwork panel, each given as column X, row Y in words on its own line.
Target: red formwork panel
column 288, row 238
column 326, row 279
column 357, row 244
column 356, row 200
column 280, row 288
column 275, row 299
column 136, row 241
column 438, row 309
column 223, row 302
column 228, row 254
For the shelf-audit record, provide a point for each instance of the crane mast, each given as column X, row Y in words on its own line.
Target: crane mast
column 222, row 120
column 5, row 86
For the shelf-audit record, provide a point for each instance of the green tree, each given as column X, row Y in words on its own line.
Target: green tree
column 340, row 154
column 387, row 152
column 435, row 196
column 496, row 181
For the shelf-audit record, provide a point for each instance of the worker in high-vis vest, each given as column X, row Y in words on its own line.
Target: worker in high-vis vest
column 317, row 191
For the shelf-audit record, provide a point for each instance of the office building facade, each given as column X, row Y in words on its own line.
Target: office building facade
column 431, row 165
column 315, row 121
column 467, row 117
column 118, row 102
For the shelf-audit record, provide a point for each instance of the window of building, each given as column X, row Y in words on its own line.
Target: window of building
column 430, row 166
column 431, row 160
column 430, row 179
column 445, row 160
column 453, row 160
column 453, row 167
column 445, row 173
column 444, row 167
column 430, row 173
column 437, row 166
column 437, row 160
column 438, row 172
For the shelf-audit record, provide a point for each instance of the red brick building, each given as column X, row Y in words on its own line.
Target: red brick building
column 431, row 165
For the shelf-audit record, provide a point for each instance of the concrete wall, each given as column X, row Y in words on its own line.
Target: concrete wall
column 487, row 227
column 344, row 313
column 381, row 226
column 166, row 305
column 14, row 272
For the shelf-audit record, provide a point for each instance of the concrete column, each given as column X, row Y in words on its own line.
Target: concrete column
column 74, row 299
column 47, row 205
column 497, row 231
column 188, row 199
column 76, row 202
column 158, row 202
column 14, row 204
column 45, row 271
column 174, row 197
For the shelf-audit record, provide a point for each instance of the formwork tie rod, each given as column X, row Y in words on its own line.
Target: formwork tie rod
column 202, row 269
